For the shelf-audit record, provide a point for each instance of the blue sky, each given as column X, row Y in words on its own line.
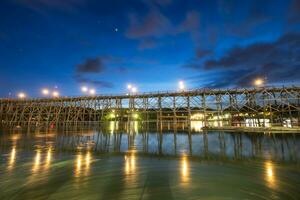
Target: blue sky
column 150, row 43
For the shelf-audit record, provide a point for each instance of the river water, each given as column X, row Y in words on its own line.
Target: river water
column 138, row 161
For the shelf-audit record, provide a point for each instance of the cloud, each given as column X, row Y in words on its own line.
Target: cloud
column 154, row 24
column 285, row 49
column 99, row 83
column 242, row 18
column 191, row 24
column 89, row 68
column 278, row 61
column 201, row 53
column 91, row 65
column 200, row 56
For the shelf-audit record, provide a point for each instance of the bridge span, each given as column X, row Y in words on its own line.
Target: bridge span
column 252, row 107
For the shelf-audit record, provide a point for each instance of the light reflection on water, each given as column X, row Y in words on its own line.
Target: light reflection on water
column 82, row 164
column 197, row 125
column 48, row 158
column 12, row 158
column 36, row 163
column 185, row 170
column 130, row 168
column 87, row 163
column 78, row 164
column 142, row 162
column 270, row 175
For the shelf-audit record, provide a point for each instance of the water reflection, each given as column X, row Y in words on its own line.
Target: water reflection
column 130, row 165
column 113, row 126
column 12, row 155
column 82, row 164
column 185, row 170
column 132, row 127
column 36, row 163
column 130, row 168
column 197, row 125
column 78, row 165
column 87, row 163
column 12, row 158
column 48, row 158
column 270, row 175
column 145, row 139
column 150, row 161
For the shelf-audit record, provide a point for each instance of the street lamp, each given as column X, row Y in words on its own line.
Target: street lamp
column 131, row 88
column 258, row 82
column 134, row 90
column 45, row 91
column 181, row 85
column 55, row 94
column 84, row 89
column 21, row 95
column 92, row 91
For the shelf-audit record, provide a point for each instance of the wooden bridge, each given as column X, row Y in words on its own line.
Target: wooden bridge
column 259, row 107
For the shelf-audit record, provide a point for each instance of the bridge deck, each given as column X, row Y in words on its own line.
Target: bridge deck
column 265, row 106
column 195, row 92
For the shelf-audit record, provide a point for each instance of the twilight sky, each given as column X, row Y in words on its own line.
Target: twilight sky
column 150, row 43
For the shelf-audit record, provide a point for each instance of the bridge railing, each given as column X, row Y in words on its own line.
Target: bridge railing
column 166, row 92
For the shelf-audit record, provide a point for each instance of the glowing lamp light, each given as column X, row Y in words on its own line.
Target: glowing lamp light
column 84, row 89
column 45, row 91
column 21, row 95
column 259, row 82
column 55, row 94
column 181, row 85
column 129, row 86
column 134, row 90
column 92, row 91
column 135, row 116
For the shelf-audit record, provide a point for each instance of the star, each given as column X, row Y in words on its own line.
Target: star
column 116, row 29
